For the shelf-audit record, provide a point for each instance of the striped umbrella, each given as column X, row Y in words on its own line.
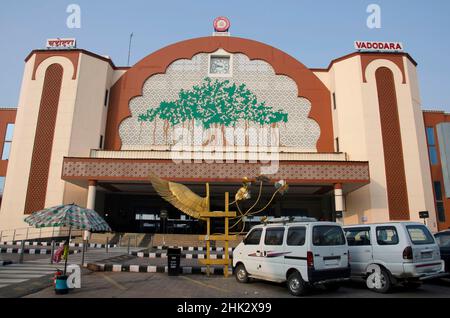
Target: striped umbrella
column 69, row 215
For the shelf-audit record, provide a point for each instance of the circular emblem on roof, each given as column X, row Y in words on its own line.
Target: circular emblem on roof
column 221, row 24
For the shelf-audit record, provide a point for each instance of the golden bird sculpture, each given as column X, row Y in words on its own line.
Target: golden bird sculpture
column 181, row 196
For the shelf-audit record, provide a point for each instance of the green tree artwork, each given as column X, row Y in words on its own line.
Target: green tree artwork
column 214, row 104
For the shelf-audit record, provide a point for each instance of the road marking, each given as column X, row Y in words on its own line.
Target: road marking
column 11, row 280
column 204, row 285
column 112, row 281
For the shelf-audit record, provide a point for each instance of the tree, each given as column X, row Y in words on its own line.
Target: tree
column 214, row 104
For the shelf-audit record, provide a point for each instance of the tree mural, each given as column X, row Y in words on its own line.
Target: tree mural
column 213, row 104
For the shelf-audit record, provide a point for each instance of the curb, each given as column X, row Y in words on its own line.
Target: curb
column 95, row 267
column 57, row 244
column 186, row 256
column 193, row 248
column 41, row 251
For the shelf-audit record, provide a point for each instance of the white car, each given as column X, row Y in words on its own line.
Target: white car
column 299, row 253
column 386, row 254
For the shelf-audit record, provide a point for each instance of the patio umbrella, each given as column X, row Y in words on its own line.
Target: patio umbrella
column 71, row 216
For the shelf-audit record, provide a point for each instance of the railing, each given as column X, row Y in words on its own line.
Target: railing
column 284, row 154
column 27, row 233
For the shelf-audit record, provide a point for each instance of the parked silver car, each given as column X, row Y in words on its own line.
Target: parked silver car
column 391, row 253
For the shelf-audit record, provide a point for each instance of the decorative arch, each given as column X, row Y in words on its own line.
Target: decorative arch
column 131, row 83
column 40, row 57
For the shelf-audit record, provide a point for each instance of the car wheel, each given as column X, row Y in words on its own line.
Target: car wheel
column 379, row 281
column 412, row 285
column 241, row 274
column 332, row 286
column 296, row 285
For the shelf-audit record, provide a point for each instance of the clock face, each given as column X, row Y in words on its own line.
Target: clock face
column 220, row 65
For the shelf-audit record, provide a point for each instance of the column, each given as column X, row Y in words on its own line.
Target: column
column 338, row 201
column 92, row 191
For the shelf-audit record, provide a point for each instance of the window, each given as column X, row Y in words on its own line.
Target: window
column 101, row 142
column 253, row 238
column 431, row 140
column 358, row 236
column 274, row 236
column 106, row 98
column 439, row 201
column 433, row 155
column 328, row 235
column 8, row 140
column 337, row 145
column 334, row 100
column 443, row 240
column 2, row 184
column 430, row 136
column 387, row 235
column 419, row 234
column 296, row 236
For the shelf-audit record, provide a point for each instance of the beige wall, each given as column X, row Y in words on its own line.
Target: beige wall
column 357, row 125
column 79, row 123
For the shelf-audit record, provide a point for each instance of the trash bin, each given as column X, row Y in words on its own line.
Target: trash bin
column 61, row 285
column 173, row 261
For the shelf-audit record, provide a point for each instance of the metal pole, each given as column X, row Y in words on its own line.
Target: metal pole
column 40, row 233
column 26, row 236
column 1, row 236
column 53, row 251
column 129, row 242
column 14, row 236
column 83, row 250
column 129, row 49
column 22, row 247
column 67, row 257
column 107, row 242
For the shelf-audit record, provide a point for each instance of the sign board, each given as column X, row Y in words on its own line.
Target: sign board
column 424, row 215
column 54, row 44
column 221, row 24
column 369, row 46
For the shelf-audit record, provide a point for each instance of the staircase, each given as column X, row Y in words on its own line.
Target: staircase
column 146, row 241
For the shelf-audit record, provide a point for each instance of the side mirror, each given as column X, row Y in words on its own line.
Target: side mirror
column 244, row 241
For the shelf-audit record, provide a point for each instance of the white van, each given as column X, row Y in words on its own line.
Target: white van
column 301, row 253
column 386, row 254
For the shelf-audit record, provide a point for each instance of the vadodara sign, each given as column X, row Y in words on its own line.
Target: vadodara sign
column 58, row 43
column 367, row 46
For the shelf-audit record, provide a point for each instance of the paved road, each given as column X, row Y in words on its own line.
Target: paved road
column 38, row 266
column 19, row 273
column 157, row 285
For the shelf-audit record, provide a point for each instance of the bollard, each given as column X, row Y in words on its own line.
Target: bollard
column 84, row 249
column 52, row 252
column 22, row 247
column 107, row 242
column 129, row 242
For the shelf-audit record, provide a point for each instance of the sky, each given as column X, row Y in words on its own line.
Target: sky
column 313, row 31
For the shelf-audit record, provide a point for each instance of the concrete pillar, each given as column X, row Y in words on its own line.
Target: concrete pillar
column 92, row 191
column 339, row 201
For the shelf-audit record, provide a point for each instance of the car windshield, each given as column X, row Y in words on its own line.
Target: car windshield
column 443, row 240
column 419, row 234
column 328, row 235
